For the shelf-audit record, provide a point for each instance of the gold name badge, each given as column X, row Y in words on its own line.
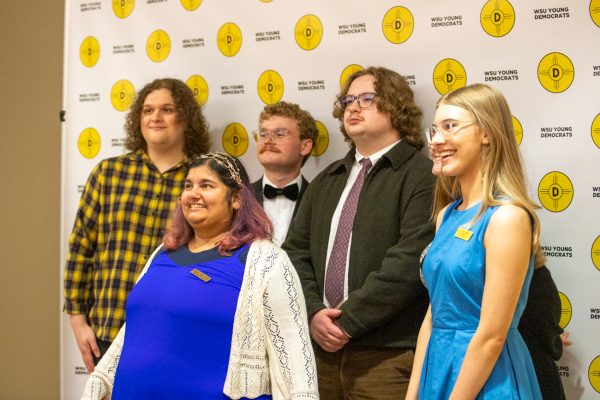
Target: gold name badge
column 201, row 275
column 463, row 234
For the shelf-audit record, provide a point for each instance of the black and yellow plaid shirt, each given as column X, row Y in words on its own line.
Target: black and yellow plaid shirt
column 120, row 221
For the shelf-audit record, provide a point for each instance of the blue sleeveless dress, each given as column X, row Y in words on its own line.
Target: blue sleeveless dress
column 179, row 328
column 454, row 273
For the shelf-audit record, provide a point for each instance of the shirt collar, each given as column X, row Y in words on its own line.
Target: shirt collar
column 377, row 155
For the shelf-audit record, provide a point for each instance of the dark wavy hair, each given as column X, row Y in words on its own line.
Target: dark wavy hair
column 249, row 223
column 197, row 140
column 395, row 98
column 306, row 123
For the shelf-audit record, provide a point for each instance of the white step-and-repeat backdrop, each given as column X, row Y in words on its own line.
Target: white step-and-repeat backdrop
column 544, row 55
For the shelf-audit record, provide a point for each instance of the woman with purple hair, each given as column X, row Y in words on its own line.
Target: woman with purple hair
column 218, row 311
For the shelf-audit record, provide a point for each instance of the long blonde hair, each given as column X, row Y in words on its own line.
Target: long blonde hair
column 503, row 179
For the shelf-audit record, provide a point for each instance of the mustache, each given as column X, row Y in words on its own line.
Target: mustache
column 268, row 147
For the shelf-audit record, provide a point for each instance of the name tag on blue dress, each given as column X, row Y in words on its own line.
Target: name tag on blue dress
column 463, row 234
column 201, row 275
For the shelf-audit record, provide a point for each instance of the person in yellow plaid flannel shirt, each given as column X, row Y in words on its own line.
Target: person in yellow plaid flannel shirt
column 123, row 209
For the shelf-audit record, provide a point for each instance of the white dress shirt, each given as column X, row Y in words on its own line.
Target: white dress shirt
column 280, row 210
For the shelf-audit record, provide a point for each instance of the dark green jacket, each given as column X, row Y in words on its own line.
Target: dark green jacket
column 386, row 302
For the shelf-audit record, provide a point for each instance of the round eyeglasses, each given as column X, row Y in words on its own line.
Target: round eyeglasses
column 276, row 135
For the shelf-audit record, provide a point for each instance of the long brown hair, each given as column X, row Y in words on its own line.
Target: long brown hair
column 196, row 135
column 394, row 98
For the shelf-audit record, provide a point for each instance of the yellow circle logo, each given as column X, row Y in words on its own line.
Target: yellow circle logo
column 497, row 17
column 596, row 130
column 595, row 12
column 123, row 8
column 191, row 5
column 199, row 88
column 448, row 75
column 398, row 24
column 594, row 374
column 566, row 310
column 88, row 142
column 349, row 70
column 518, row 130
column 308, row 32
column 266, row 1
column 229, row 39
column 158, row 46
column 122, row 95
column 89, row 51
column 322, row 140
column 270, row 87
column 235, row 139
column 556, row 72
column 596, row 253
column 555, row 191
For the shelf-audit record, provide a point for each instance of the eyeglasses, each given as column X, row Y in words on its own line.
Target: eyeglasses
column 365, row 100
column 276, row 135
column 447, row 128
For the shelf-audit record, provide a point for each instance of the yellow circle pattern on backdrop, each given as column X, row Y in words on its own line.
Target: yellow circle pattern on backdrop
column 123, row 8
column 556, row 72
column 235, row 139
column 89, row 51
column 449, row 75
column 596, row 130
column 158, row 45
column 518, row 129
column 308, row 32
column 566, row 310
column 322, row 143
column 596, row 253
column 497, row 17
column 398, row 24
column 199, row 88
column 594, row 374
column 555, row 191
column 229, row 39
column 270, row 87
column 595, row 12
column 191, row 5
column 349, row 70
column 89, row 142
column 122, row 95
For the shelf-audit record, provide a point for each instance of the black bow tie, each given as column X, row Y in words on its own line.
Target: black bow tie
column 290, row 191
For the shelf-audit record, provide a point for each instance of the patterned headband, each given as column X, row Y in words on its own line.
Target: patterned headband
column 225, row 161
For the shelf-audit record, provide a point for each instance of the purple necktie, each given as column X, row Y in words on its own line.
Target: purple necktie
column 336, row 268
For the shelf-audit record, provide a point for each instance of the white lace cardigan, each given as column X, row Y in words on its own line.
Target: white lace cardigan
column 271, row 352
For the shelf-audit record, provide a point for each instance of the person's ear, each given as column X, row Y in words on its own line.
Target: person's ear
column 236, row 203
column 306, row 146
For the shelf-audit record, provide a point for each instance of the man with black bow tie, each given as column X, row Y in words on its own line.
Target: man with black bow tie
column 284, row 140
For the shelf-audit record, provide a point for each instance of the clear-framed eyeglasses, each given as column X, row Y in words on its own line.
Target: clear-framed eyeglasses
column 276, row 135
column 365, row 100
column 447, row 128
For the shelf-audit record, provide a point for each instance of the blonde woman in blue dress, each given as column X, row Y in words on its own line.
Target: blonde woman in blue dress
column 478, row 268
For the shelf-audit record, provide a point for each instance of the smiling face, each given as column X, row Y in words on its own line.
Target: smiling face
column 284, row 154
column 160, row 125
column 370, row 129
column 205, row 203
column 457, row 152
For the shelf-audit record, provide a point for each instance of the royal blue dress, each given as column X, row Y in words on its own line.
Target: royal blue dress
column 454, row 273
column 179, row 328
